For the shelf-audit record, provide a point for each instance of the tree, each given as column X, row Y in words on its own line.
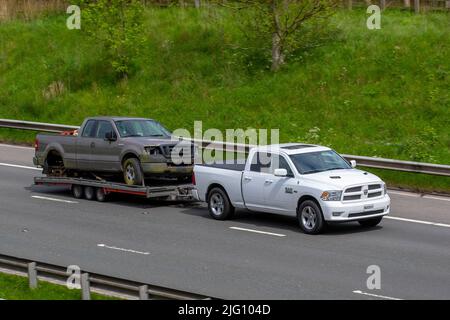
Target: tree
column 282, row 21
column 118, row 25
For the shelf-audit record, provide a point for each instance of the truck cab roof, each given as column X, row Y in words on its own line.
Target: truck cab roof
column 113, row 118
column 291, row 148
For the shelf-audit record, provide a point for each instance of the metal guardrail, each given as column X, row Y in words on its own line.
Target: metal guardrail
column 371, row 162
column 93, row 282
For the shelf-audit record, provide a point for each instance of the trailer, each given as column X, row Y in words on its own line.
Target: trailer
column 100, row 189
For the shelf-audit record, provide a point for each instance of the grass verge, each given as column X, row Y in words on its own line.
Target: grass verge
column 13, row 287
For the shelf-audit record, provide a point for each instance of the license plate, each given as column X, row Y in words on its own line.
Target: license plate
column 369, row 206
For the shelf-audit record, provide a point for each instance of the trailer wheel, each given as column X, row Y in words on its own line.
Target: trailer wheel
column 219, row 206
column 132, row 172
column 89, row 193
column 101, row 195
column 77, row 191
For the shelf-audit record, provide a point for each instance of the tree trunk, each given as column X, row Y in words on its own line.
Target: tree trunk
column 277, row 43
column 197, row 3
column 277, row 52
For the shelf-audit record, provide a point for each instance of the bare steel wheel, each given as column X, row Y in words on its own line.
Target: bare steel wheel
column 132, row 172
column 219, row 205
column 310, row 217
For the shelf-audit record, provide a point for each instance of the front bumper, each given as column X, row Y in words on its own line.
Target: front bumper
column 338, row 211
column 166, row 168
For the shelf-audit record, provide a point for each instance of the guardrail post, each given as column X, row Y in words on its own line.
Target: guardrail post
column 32, row 275
column 143, row 292
column 416, row 6
column 85, row 287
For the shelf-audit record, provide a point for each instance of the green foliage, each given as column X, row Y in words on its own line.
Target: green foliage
column 370, row 92
column 14, row 287
column 118, row 25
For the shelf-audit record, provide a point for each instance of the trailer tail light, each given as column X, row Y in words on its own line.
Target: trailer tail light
column 193, row 178
column 36, row 145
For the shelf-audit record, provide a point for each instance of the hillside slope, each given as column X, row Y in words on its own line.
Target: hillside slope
column 368, row 92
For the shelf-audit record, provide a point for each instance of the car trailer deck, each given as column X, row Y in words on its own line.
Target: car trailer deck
column 100, row 189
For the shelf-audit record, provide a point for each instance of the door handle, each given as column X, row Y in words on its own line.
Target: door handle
column 268, row 181
column 247, row 179
column 92, row 145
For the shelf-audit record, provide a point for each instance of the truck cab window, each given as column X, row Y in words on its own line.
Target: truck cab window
column 282, row 164
column 261, row 162
column 89, row 129
column 103, row 128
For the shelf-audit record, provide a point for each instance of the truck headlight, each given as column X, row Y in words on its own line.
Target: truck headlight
column 385, row 189
column 334, row 195
column 151, row 150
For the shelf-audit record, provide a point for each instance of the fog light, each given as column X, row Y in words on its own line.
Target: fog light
column 338, row 213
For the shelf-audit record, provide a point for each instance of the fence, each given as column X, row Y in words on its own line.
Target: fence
column 371, row 162
column 93, row 282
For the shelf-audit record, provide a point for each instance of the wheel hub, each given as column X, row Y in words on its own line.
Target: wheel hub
column 309, row 217
column 217, row 204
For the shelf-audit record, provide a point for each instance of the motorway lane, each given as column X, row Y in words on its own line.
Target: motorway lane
column 189, row 251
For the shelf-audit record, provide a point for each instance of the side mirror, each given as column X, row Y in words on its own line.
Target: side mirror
column 280, row 172
column 353, row 163
column 110, row 136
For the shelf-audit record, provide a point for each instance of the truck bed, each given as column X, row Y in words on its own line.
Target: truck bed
column 227, row 166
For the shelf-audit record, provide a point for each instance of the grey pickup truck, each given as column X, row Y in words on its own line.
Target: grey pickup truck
column 136, row 148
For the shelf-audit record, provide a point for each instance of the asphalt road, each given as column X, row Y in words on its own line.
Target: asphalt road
column 254, row 256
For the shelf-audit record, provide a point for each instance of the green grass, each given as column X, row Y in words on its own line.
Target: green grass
column 365, row 92
column 14, row 287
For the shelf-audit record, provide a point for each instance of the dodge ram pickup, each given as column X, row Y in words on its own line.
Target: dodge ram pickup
column 312, row 183
column 133, row 147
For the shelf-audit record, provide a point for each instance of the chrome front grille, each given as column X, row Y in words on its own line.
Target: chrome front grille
column 367, row 191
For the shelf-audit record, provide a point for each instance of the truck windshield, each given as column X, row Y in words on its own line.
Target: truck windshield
column 313, row 162
column 141, row 128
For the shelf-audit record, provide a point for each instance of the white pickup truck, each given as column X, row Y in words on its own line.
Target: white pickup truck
column 313, row 183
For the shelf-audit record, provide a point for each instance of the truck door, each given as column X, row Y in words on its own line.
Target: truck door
column 84, row 144
column 105, row 154
column 253, row 181
column 281, row 193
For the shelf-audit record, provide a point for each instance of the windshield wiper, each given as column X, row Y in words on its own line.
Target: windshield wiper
column 337, row 168
column 312, row 171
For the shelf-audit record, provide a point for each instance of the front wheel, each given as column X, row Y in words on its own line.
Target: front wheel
column 310, row 217
column 219, row 206
column 132, row 172
column 372, row 222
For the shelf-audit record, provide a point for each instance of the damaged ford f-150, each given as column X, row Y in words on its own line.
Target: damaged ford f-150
column 133, row 147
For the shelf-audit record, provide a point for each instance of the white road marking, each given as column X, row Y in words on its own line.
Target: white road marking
column 404, row 193
column 18, row 166
column 101, row 245
column 419, row 195
column 375, row 295
column 16, row 147
column 257, row 231
column 436, row 198
column 419, row 221
column 54, row 199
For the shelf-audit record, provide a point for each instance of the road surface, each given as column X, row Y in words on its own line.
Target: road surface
column 254, row 256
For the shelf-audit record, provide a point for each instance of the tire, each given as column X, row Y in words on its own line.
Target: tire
column 132, row 172
column 310, row 217
column 100, row 195
column 77, row 191
column 372, row 222
column 219, row 205
column 89, row 193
